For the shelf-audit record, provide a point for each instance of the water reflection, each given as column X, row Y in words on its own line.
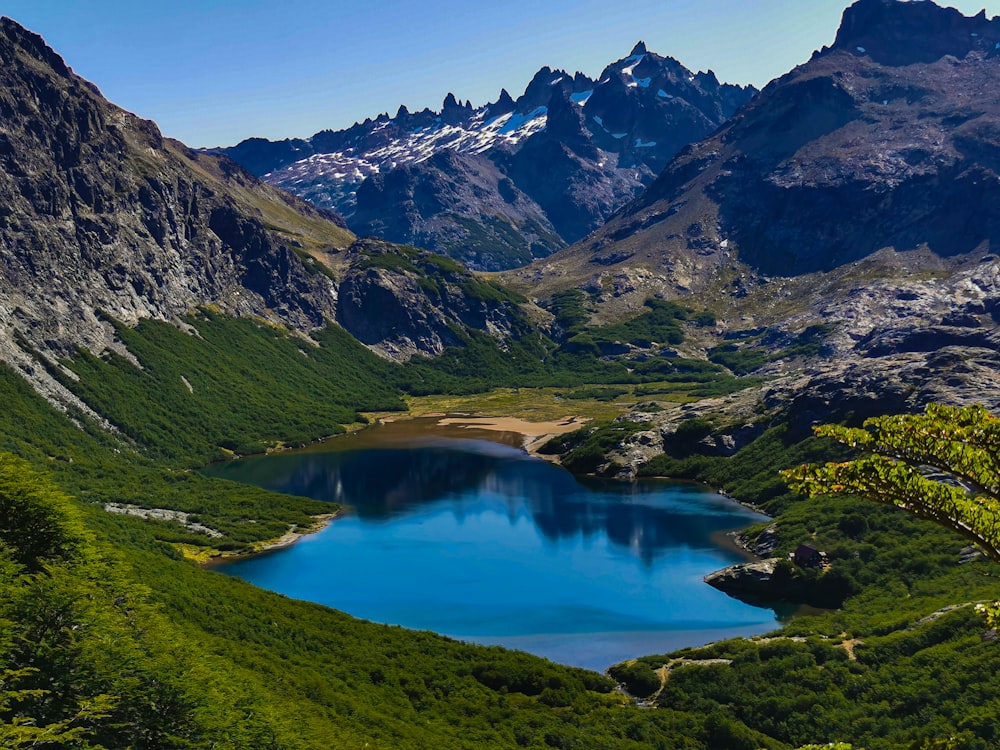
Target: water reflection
column 480, row 542
column 384, row 484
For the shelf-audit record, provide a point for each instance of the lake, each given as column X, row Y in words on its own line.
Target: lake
column 475, row 539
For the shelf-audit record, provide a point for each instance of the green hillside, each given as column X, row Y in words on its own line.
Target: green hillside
column 112, row 639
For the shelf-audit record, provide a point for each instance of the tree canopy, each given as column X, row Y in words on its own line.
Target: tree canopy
column 942, row 465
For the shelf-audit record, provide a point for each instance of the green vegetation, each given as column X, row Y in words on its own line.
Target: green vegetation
column 902, row 450
column 598, row 394
column 880, row 672
column 111, row 639
column 744, row 358
column 585, row 449
column 570, row 311
column 399, row 258
column 99, row 468
column 741, row 361
column 86, row 662
column 661, row 324
column 879, row 691
column 230, row 385
column 129, row 648
column 584, row 355
column 959, row 445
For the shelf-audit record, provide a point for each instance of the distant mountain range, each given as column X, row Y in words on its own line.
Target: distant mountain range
column 499, row 185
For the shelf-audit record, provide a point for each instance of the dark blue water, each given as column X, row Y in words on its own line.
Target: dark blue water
column 479, row 541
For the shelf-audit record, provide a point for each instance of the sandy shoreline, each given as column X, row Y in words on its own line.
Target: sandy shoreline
column 535, row 434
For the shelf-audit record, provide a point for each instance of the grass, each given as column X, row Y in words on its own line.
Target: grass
column 545, row 404
column 534, row 404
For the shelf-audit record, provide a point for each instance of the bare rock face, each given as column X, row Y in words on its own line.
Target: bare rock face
column 99, row 214
column 461, row 205
column 402, row 301
column 883, row 140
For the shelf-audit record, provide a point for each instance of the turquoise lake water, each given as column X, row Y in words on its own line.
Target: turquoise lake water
column 479, row 541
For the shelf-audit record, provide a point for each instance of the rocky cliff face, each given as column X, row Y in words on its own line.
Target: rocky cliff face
column 884, row 140
column 522, row 177
column 401, row 301
column 101, row 213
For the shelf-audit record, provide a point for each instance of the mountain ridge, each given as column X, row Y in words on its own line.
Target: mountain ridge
column 104, row 222
column 602, row 140
column 753, row 193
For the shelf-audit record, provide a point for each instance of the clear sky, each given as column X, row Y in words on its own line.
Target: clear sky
column 213, row 72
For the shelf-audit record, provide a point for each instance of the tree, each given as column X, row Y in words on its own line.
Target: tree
column 942, row 465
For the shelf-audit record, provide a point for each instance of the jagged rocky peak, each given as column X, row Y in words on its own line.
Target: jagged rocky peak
column 638, row 49
column 899, row 32
column 547, row 82
column 450, row 102
column 860, row 158
column 550, row 166
column 503, row 105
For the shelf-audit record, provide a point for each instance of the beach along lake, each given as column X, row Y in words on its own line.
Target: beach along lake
column 475, row 539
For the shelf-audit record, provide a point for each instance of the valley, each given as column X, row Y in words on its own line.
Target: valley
column 685, row 302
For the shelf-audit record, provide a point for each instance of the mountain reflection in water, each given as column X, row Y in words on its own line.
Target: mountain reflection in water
column 386, row 483
column 478, row 541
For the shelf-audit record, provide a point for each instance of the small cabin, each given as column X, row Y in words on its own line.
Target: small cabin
column 809, row 557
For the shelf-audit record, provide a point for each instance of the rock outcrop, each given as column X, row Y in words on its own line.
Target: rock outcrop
column 102, row 216
column 777, row 580
column 760, row 580
column 402, row 301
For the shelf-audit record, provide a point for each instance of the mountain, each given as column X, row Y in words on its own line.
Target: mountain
column 117, row 219
column 885, row 140
column 850, row 211
column 498, row 185
column 103, row 222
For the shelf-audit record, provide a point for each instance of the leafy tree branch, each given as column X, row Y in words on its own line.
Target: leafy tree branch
column 942, row 465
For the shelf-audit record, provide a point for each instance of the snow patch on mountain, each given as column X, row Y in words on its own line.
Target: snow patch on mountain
column 333, row 178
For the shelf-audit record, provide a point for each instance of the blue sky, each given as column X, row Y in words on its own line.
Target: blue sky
column 212, row 72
